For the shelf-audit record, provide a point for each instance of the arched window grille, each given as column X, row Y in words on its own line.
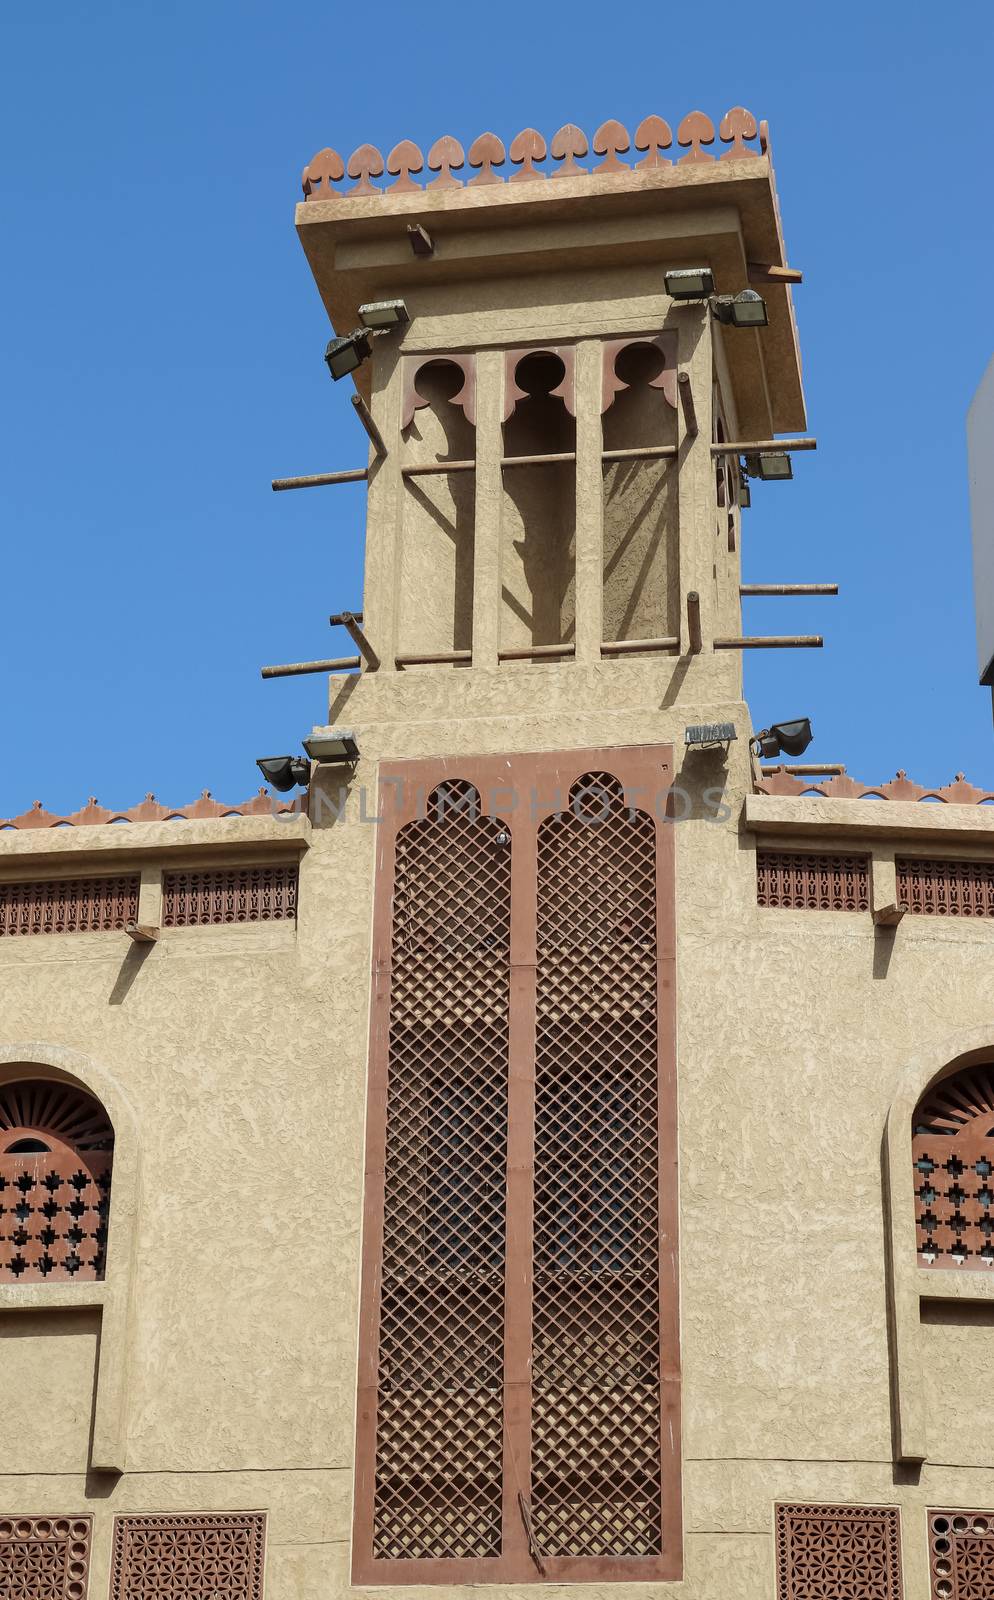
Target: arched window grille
column 56, row 1155
column 953, row 1153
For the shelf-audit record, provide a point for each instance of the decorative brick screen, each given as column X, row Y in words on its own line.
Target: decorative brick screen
column 189, row 1557
column 518, row 1409
column 792, row 880
column 56, row 1155
column 961, row 1554
column 953, row 1154
column 44, row 1558
column 945, row 888
column 595, row 1308
column 838, row 1553
column 235, row 894
column 68, row 905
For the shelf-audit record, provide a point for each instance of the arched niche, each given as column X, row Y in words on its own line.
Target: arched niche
column 70, row 1070
column 538, row 521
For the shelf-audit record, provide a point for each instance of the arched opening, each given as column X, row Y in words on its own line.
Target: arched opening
column 56, row 1157
column 953, row 1157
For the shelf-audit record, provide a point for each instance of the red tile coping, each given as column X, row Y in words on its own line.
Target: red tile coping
column 262, row 804
column 568, row 146
column 842, row 787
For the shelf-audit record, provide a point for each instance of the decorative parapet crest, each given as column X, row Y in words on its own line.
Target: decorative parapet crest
column 262, row 804
column 957, row 793
column 326, row 172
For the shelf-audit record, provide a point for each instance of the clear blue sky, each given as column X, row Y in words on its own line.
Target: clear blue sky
column 162, row 350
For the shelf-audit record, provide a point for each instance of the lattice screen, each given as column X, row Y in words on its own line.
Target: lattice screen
column 56, row 1156
column 945, row 888
column 795, row 880
column 513, row 1418
column 838, row 1553
column 439, row 1436
column 189, row 1557
column 44, row 1558
column 953, row 1154
column 961, row 1554
column 68, row 905
column 235, row 894
column 595, row 1314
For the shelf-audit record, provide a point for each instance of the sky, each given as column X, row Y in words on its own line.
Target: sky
column 162, row 347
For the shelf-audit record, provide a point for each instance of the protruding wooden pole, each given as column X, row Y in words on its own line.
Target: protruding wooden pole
column 788, row 588
column 694, row 622
column 752, row 447
column 687, row 402
column 351, row 621
column 318, row 479
column 786, row 641
column 296, row 669
column 365, row 416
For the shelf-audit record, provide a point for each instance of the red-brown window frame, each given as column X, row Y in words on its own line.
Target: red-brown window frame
column 521, row 791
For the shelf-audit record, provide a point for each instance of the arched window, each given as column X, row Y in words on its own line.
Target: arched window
column 56, row 1154
column 953, row 1153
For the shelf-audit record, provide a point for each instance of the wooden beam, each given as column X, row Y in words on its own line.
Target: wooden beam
column 297, row 669
column 786, row 641
column 752, row 447
column 619, row 647
column 788, row 588
column 761, row 272
column 687, row 402
column 351, row 621
column 365, row 416
column 318, row 479
column 694, row 622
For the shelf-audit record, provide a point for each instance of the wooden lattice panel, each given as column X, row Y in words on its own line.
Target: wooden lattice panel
column 44, row 1558
column 595, row 1315
column 945, row 888
column 838, row 1553
column 56, row 1156
column 953, row 1154
column 961, row 1554
column 795, row 880
column 68, row 905
column 226, row 895
column 189, row 1557
column 439, row 1440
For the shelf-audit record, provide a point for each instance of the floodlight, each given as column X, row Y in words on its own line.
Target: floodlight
column 784, row 738
column 689, row 283
column 770, row 465
column 345, row 354
column 285, row 772
column 333, row 748
column 744, row 310
column 383, row 314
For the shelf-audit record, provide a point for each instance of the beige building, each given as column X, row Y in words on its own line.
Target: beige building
column 553, row 1151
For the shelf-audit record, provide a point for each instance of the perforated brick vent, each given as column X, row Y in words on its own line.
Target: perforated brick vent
column 44, row 1558
column 595, row 1315
column 838, row 1553
column 439, row 1433
column 945, row 888
column 236, row 894
column 68, row 905
column 189, row 1557
column 953, row 1154
column 792, row 880
column 961, row 1554
column 56, row 1156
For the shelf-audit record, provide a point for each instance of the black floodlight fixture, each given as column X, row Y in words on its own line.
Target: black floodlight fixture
column 770, row 465
column 382, row 314
column 689, row 283
column 337, row 747
column 744, row 310
column 784, row 738
column 345, row 354
column 285, row 772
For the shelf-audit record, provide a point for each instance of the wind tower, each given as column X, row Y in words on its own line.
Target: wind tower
column 578, row 358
